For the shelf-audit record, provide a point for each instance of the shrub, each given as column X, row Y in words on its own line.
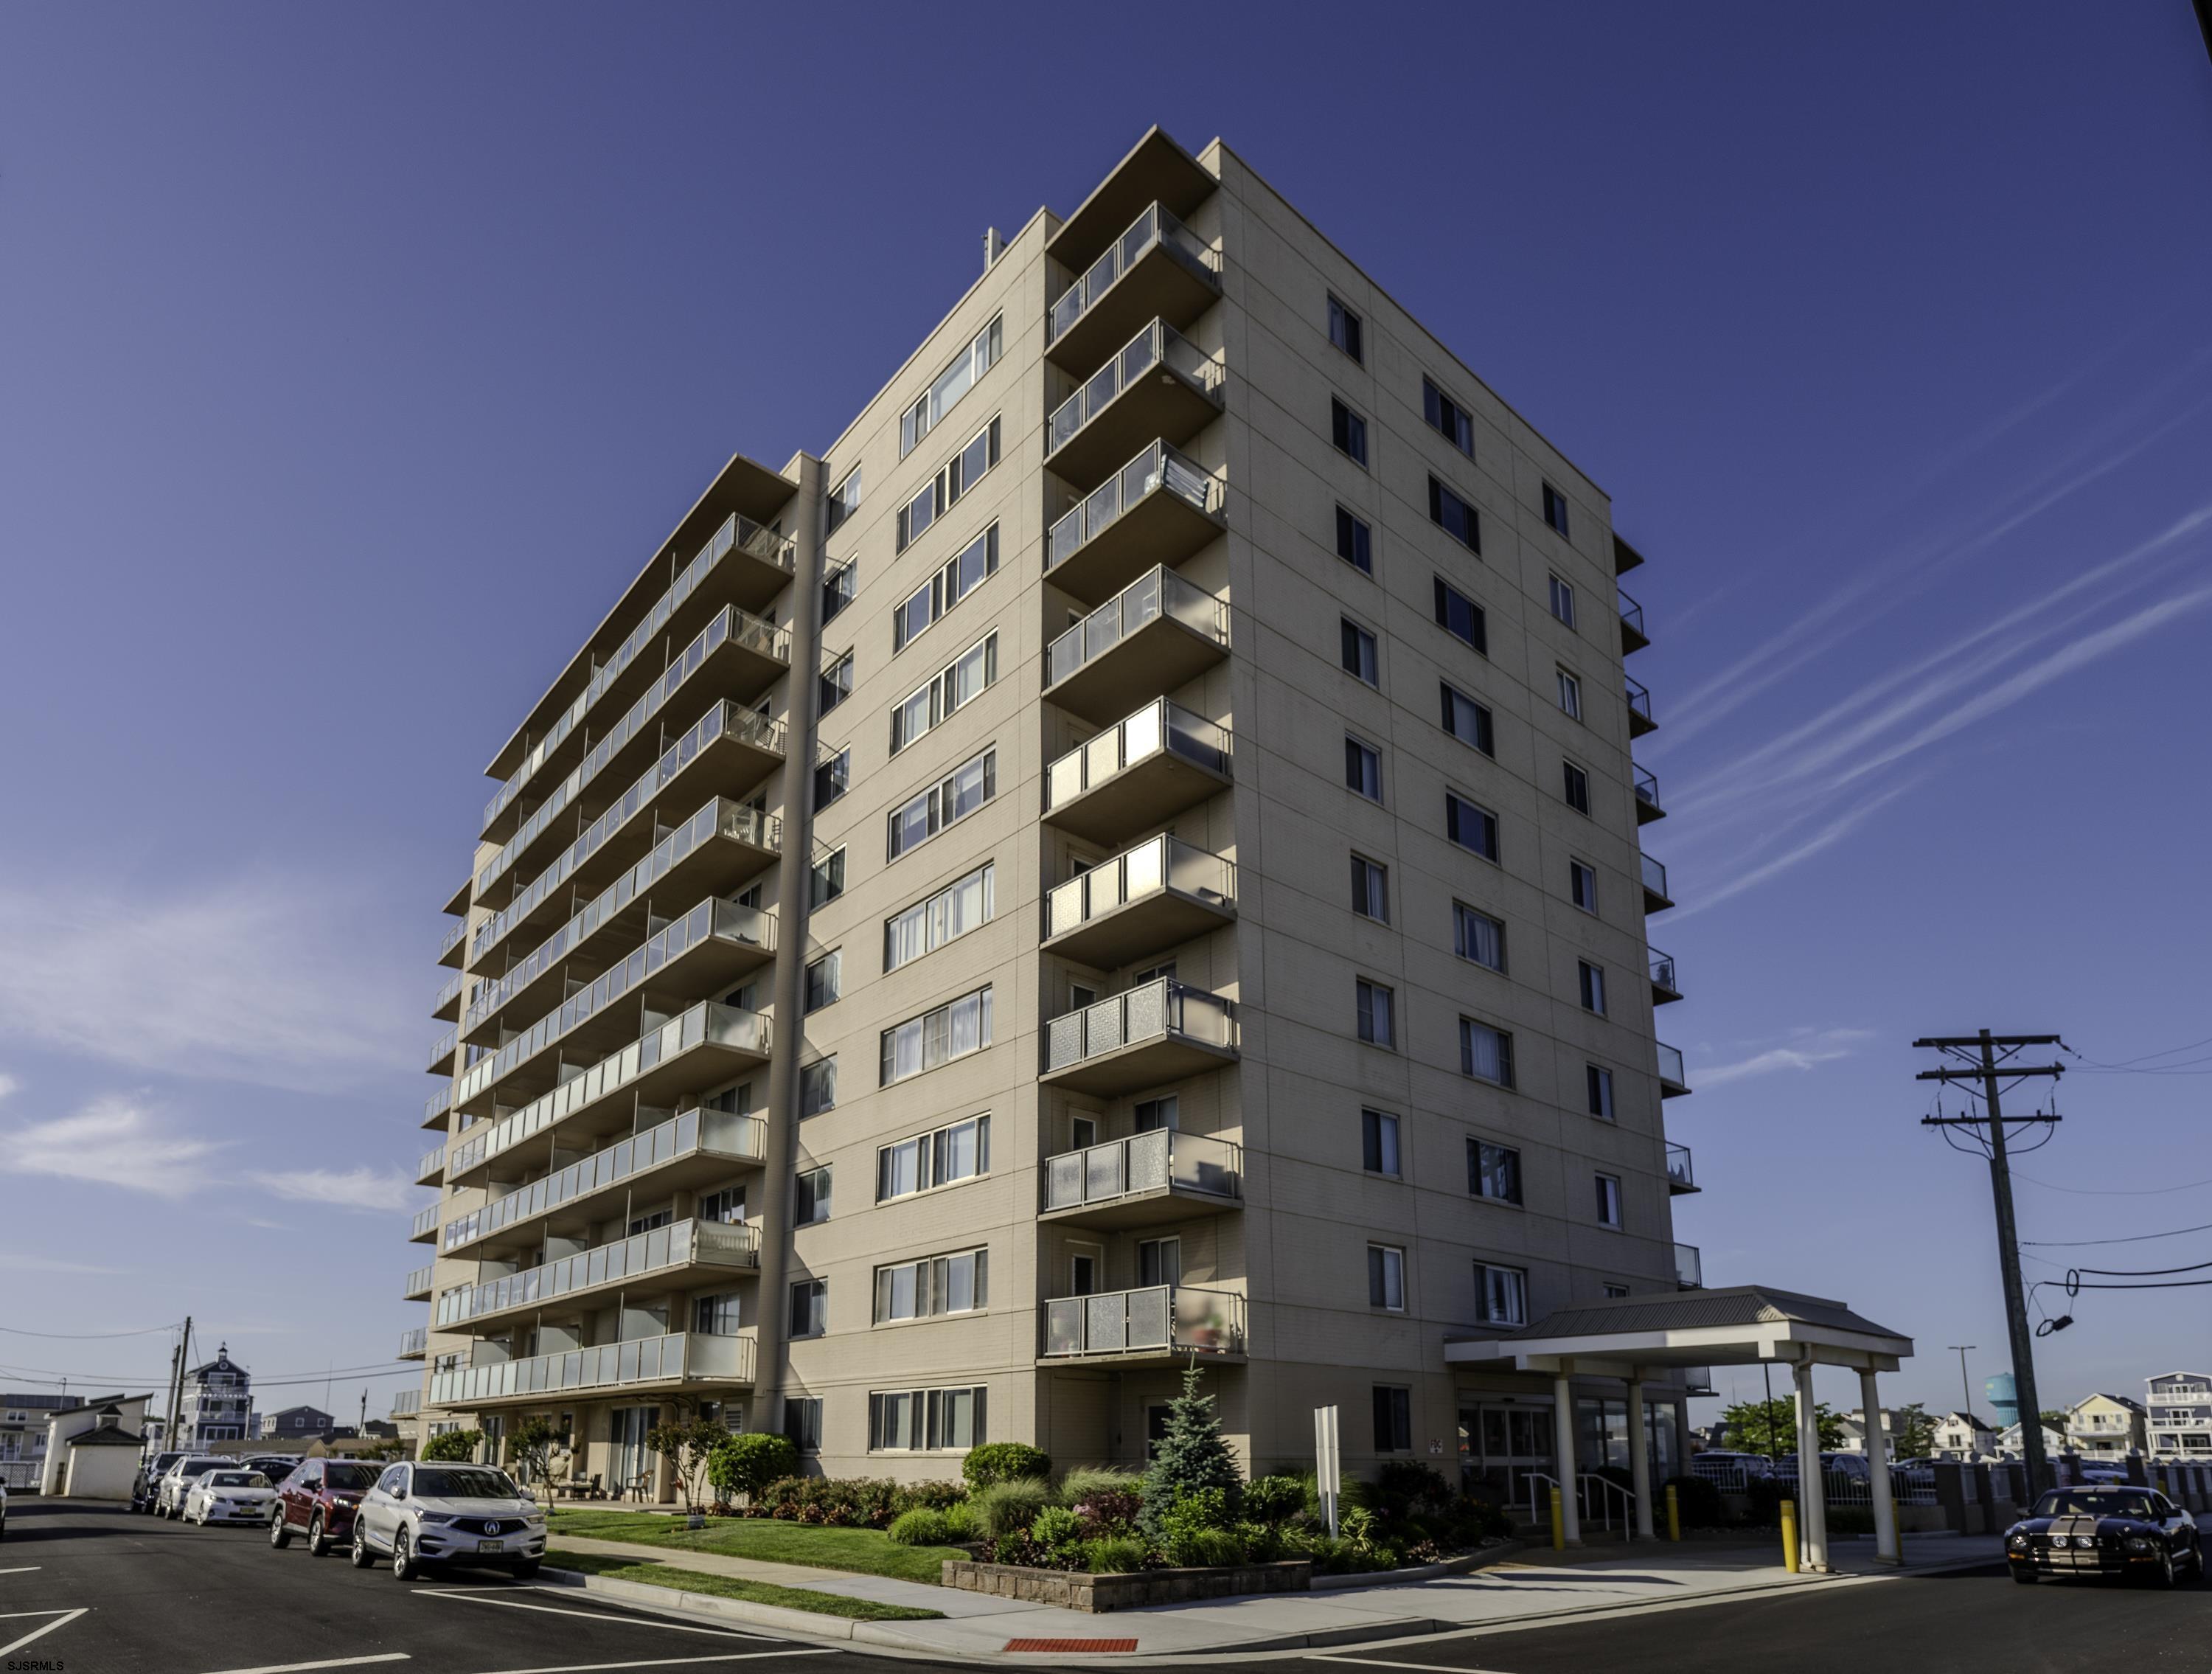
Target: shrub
column 1116, row 1555
column 1195, row 1514
column 936, row 1496
column 1274, row 1499
column 1057, row 1538
column 748, row 1463
column 919, row 1527
column 1011, row 1548
column 959, row 1522
column 1086, row 1480
column 855, row 1502
column 453, row 1447
column 1404, row 1487
column 1190, row 1456
column 1209, row 1547
column 1474, row 1520
column 1263, row 1543
column 1004, row 1461
column 1698, row 1502
column 1008, row 1508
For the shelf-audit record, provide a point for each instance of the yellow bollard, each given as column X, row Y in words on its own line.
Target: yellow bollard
column 1790, row 1534
column 1673, row 1514
column 1559, row 1524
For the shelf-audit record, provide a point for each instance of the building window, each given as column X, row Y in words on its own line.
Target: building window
column 1563, row 601
column 1574, row 785
column 1355, row 542
column 1592, row 978
column 1599, row 1087
column 937, row 1037
column 1348, row 431
column 1555, row 514
column 966, row 678
column 967, row 569
column 934, row 1285
column 1581, row 885
column 1393, row 1419
column 1363, row 769
column 802, row 1421
column 1357, row 649
column 810, row 1307
column 959, row 474
column 1371, row 890
column 1493, row 1172
column 1344, row 329
column 827, row 878
column 1472, row 827
column 837, row 683
column 1375, row 1027
column 715, row 1315
column 1385, row 1277
column 1485, row 1053
column 1466, row 720
column 844, row 499
column 1378, row 1143
column 1461, row 617
column 1454, row 516
column 832, row 778
column 838, row 587
column 1570, row 695
column 725, row 1208
column 1448, row 418
column 942, row 1157
column 947, row 802
column 950, row 914
column 1478, row 936
column 824, row 980
column 818, row 1086
column 1614, row 1293
column 915, row 1420
column 955, row 382
column 809, row 1198
column 1501, row 1294
column 1608, row 1199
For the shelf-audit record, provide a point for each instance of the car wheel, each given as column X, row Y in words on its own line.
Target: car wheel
column 319, row 1542
column 404, row 1567
column 2163, row 1575
column 279, row 1535
column 2023, row 1575
column 361, row 1557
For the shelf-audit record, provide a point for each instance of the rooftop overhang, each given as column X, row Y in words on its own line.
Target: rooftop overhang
column 1614, row 1341
column 1158, row 170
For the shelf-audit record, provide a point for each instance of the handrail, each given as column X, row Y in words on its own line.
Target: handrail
column 1159, row 592
column 1158, row 468
column 677, row 1355
column 1155, row 226
column 1584, row 1482
column 1157, row 344
column 680, row 1244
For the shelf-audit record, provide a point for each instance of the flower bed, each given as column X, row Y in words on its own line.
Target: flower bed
column 1078, row 1590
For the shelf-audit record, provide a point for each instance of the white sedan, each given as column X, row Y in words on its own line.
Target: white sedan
column 230, row 1496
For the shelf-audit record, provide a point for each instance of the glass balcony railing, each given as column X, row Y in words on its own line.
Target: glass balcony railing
column 663, row 1249
column 1655, row 878
column 740, row 1139
column 720, row 818
column 1157, row 344
column 1155, row 228
column 1647, row 791
column 433, row 1162
column 413, row 1343
column 1174, row 1319
column 1161, row 1159
column 1662, row 970
column 438, row 1104
column 1680, row 1175
column 1689, row 1269
column 704, row 1025
column 731, row 626
column 684, row 1357
column 737, row 535
column 1631, row 620
column 1156, row 729
column 1639, row 701
column 449, row 938
column 724, row 720
column 1151, row 1011
column 1670, row 1066
column 449, row 992
column 406, row 1403
column 709, row 920
column 1158, row 469
column 1158, row 593
column 426, row 1220
column 441, row 1050
column 1157, row 864
column 417, row 1283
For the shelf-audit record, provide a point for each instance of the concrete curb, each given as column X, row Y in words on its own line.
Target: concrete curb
column 1427, row 1571
column 668, row 1600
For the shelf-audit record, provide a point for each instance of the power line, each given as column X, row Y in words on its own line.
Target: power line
column 89, row 1336
column 2082, row 1242
column 2113, row 1191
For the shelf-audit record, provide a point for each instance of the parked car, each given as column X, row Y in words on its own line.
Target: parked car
column 228, row 1496
column 2103, row 1470
column 177, row 1482
column 425, row 1514
column 319, row 1500
column 147, row 1482
column 2105, row 1532
column 1720, row 1467
column 274, row 1466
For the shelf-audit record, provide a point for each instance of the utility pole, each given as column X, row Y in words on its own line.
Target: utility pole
column 176, row 1371
column 1966, row 1384
column 1985, row 1047
column 177, row 1385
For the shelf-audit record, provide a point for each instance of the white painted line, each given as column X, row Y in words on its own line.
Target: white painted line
column 24, row 1570
column 62, row 1619
column 461, row 1598
column 334, row 1662
column 668, row 1662
column 1425, row 1667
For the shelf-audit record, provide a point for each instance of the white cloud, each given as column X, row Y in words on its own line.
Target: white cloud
column 347, row 1188
column 7, row 1085
column 1812, row 1050
column 1826, row 837
column 16, row 1262
column 111, row 1141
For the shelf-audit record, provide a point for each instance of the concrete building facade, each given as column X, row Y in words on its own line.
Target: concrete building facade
column 2178, row 1415
column 1128, row 860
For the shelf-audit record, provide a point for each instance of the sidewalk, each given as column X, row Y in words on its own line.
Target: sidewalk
column 1532, row 1586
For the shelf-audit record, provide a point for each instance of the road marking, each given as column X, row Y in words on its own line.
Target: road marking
column 63, row 1619
column 668, row 1662
column 1425, row 1667
column 24, row 1570
column 459, row 1596
column 335, row 1662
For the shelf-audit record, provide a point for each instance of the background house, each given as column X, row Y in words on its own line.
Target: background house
column 2054, row 1443
column 218, row 1402
column 23, row 1437
column 2106, row 1426
column 2178, row 1415
column 295, row 1422
column 1854, row 1430
column 93, row 1447
column 1963, row 1435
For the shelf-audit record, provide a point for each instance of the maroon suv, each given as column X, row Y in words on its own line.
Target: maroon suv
column 318, row 1501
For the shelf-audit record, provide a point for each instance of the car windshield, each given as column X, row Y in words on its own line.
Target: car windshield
column 198, row 1467
column 350, row 1478
column 237, row 1479
column 466, row 1482
column 2079, row 1502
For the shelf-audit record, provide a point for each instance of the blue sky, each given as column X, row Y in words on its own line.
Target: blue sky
column 352, row 358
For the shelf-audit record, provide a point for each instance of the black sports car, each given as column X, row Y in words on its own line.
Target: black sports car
column 2114, row 1530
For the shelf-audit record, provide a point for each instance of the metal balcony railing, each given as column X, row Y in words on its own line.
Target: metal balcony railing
column 442, row 1052
column 1176, row 1317
column 449, row 938
column 1154, row 228
column 665, row 1249
column 414, row 1343
column 1631, row 617
column 1640, row 699
column 1679, row 1171
column 1689, row 1269
column 1161, row 1159
column 426, row 1220
column 682, row 1357
column 1158, row 469
column 1670, row 1065
column 417, row 1283
column 1655, row 877
column 1156, row 1010
column 438, row 1104
column 433, row 1162
column 1157, row 864
column 1158, row 727
column 448, row 992
column 1158, row 593
column 406, row 1403
column 1157, row 344
column 1647, row 788
column 1662, row 970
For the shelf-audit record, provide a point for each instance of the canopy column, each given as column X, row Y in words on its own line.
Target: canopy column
column 1563, row 1447
column 1885, row 1512
column 1811, row 1492
column 1639, row 1459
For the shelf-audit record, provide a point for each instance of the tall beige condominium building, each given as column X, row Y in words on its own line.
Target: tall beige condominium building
column 1130, row 858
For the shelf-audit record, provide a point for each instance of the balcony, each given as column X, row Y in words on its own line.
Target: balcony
column 1632, row 636
column 1160, row 508
column 431, row 1170
column 406, row 1403
column 705, row 951
column 1655, row 898
column 1156, row 267
column 1672, row 1082
column 692, row 1051
column 1156, row 385
column 1137, row 774
column 671, row 1363
column 721, row 847
column 1153, row 636
column 1698, row 1380
column 417, row 1286
column 688, row 1152
column 1647, row 796
column 1665, row 990
column 742, row 568
column 438, row 1107
column 1689, row 1271
column 1640, row 709
column 1144, row 1037
column 451, row 941
column 1157, row 1176
column 1158, row 1325
column 413, row 1344
column 1680, row 1177
column 670, row 1255
column 442, row 1052
column 446, row 1007
column 2180, row 1394
column 426, row 1226
column 1625, row 557
column 1157, row 895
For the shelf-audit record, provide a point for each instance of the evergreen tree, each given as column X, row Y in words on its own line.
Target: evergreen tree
column 1191, row 1455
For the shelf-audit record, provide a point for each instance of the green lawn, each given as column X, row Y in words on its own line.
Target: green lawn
column 729, row 1587
column 866, row 1551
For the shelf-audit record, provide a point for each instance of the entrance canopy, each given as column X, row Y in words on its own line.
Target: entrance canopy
column 1640, row 1337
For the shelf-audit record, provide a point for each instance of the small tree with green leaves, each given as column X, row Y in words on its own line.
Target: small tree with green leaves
column 1190, row 1456
column 1771, row 1427
column 685, row 1445
column 532, row 1442
column 453, row 1447
column 749, row 1463
column 1912, row 1435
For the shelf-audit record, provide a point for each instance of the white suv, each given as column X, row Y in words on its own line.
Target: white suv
column 421, row 1514
column 181, row 1478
